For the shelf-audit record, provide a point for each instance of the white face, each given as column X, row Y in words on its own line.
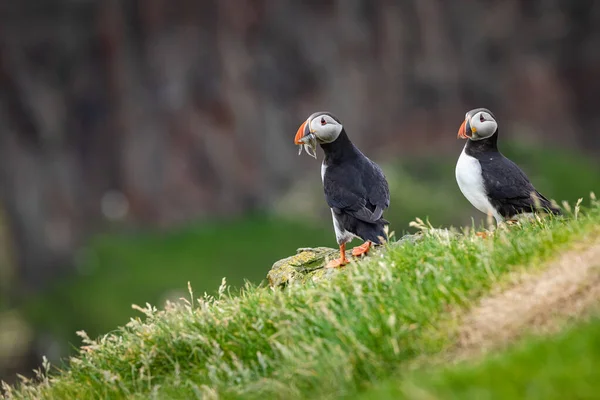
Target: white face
column 325, row 128
column 483, row 125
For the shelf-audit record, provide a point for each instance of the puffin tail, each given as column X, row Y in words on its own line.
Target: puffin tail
column 374, row 232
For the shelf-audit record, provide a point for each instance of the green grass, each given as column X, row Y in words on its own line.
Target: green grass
column 325, row 340
column 562, row 366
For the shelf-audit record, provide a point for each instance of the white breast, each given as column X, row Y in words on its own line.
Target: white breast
column 323, row 169
column 470, row 182
column 341, row 234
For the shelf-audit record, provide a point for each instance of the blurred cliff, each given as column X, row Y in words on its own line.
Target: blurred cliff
column 150, row 113
column 159, row 111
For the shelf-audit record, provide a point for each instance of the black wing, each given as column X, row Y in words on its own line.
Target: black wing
column 359, row 189
column 509, row 189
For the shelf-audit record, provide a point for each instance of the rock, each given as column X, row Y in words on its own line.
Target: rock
column 308, row 265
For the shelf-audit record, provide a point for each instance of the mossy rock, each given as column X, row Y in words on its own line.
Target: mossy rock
column 308, row 265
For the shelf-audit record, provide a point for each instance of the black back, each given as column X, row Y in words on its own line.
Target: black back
column 355, row 188
column 507, row 186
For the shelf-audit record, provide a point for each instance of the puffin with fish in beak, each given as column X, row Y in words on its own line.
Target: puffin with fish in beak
column 355, row 187
column 492, row 183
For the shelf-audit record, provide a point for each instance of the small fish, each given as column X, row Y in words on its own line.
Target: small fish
column 310, row 145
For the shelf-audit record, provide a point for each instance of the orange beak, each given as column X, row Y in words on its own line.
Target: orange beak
column 300, row 134
column 462, row 132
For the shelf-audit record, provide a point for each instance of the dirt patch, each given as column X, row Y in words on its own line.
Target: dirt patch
column 539, row 302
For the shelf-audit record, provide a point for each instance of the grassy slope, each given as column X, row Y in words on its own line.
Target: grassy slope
column 335, row 338
column 564, row 366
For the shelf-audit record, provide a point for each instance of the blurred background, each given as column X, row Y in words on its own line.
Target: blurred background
column 148, row 143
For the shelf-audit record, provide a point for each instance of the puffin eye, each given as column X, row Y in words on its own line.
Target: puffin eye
column 323, row 122
column 481, row 118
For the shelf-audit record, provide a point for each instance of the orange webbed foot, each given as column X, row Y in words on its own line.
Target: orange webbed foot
column 483, row 235
column 340, row 262
column 362, row 249
column 337, row 263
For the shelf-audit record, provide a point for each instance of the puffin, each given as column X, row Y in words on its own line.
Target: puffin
column 355, row 188
column 494, row 184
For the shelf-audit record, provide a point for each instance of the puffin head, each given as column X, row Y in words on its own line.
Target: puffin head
column 321, row 127
column 478, row 124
